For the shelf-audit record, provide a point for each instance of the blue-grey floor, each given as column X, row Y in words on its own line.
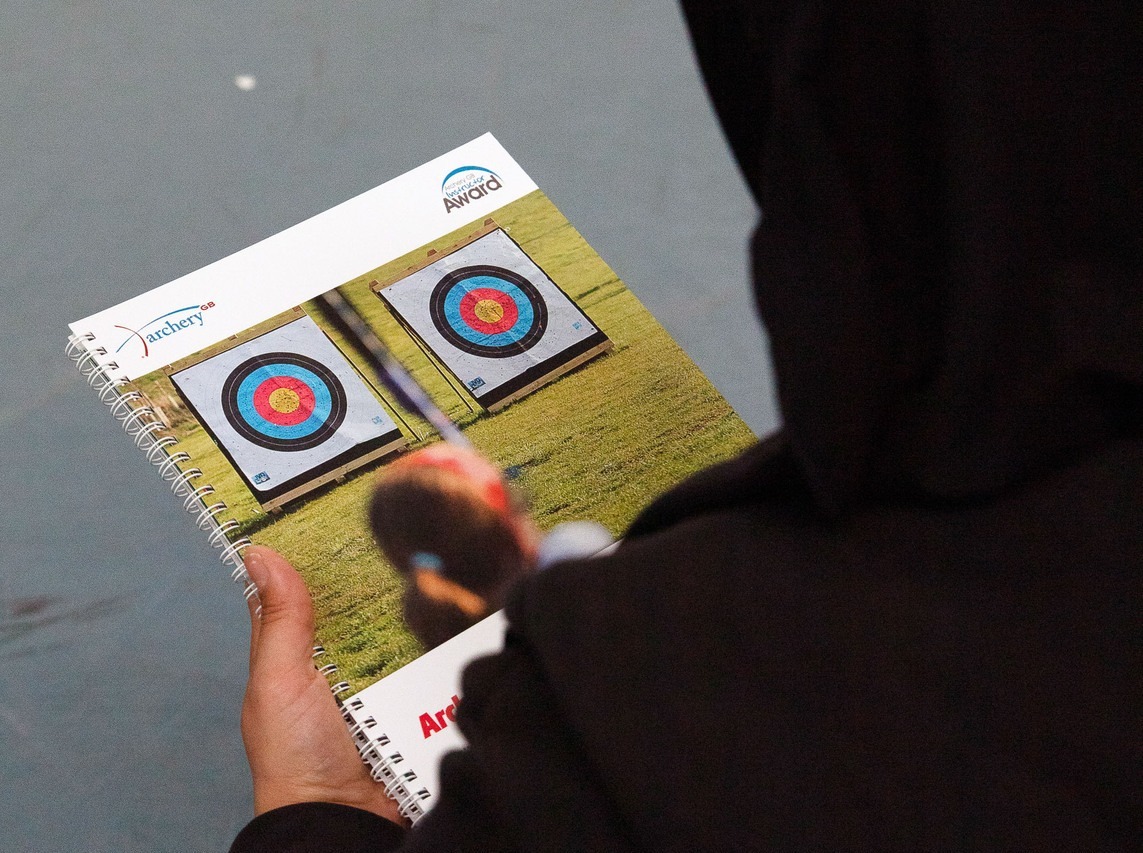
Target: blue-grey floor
column 130, row 156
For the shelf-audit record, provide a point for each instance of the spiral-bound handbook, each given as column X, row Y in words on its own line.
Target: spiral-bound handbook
column 267, row 419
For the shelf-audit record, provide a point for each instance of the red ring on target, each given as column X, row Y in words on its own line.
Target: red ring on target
column 477, row 302
column 284, row 400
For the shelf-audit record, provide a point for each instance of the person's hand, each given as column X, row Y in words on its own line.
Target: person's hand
column 297, row 743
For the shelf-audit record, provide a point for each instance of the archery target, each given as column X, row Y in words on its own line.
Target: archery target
column 488, row 311
column 286, row 407
column 494, row 318
column 284, row 401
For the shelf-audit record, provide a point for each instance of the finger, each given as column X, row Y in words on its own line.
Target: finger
column 284, row 636
column 257, row 576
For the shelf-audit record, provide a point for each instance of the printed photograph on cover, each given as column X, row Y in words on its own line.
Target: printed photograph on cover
column 528, row 342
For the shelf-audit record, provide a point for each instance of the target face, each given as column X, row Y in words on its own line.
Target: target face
column 488, row 311
column 287, row 408
column 284, row 401
column 493, row 317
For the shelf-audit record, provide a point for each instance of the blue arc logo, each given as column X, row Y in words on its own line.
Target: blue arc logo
column 466, row 184
column 156, row 330
column 477, row 178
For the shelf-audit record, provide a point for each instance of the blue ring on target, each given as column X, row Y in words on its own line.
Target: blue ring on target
column 323, row 401
column 328, row 393
column 525, row 314
column 448, row 318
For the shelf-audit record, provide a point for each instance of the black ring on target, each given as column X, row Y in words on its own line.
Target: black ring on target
column 519, row 296
column 243, row 401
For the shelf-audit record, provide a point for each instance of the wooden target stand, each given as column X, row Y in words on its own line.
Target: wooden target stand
column 434, row 255
column 337, row 474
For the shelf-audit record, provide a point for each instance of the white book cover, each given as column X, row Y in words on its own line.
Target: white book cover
column 271, row 425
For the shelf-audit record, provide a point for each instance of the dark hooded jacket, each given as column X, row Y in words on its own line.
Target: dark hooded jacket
column 914, row 618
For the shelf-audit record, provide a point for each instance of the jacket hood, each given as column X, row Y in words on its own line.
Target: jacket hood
column 949, row 260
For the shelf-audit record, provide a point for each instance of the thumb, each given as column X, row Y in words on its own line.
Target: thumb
column 283, row 635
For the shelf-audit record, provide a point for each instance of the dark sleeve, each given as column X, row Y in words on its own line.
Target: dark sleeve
column 315, row 827
column 764, row 473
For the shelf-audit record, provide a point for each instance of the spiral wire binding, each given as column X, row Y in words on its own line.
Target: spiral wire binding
column 159, row 446
column 382, row 763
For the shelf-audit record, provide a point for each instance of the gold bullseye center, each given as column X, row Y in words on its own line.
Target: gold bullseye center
column 489, row 310
column 284, row 401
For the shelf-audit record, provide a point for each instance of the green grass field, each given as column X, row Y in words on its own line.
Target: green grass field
column 598, row 443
